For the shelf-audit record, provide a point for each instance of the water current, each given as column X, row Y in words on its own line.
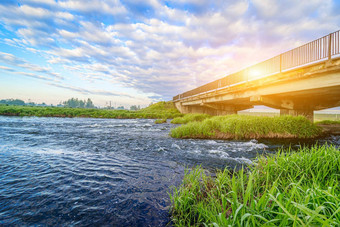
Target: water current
column 113, row 172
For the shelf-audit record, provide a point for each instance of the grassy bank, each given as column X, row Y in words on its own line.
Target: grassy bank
column 328, row 122
column 189, row 118
column 161, row 110
column 288, row 189
column 241, row 126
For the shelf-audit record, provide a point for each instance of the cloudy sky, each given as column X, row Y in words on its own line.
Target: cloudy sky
column 141, row 51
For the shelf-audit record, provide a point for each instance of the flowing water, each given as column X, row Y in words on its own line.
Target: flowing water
column 62, row 171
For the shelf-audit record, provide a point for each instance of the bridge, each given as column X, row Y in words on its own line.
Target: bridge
column 297, row 82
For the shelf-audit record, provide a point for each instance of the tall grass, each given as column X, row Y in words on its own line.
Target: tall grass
column 241, row 126
column 288, row 189
column 189, row 118
column 161, row 110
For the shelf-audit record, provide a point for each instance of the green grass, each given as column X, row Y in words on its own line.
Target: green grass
column 317, row 116
column 328, row 122
column 287, row 189
column 160, row 121
column 324, row 116
column 163, row 110
column 189, row 118
column 242, row 126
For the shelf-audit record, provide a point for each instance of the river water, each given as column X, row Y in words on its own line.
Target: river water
column 77, row 171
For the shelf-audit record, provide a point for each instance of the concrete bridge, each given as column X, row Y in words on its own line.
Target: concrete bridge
column 297, row 82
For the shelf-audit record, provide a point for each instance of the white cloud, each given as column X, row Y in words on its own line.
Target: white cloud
column 6, row 68
column 91, row 92
column 113, row 7
column 18, row 62
column 47, row 2
column 164, row 50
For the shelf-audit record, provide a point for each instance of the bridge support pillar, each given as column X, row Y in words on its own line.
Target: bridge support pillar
column 309, row 114
column 211, row 109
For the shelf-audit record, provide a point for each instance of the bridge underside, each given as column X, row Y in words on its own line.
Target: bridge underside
column 299, row 92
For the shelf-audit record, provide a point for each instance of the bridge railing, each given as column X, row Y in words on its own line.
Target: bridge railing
column 318, row 50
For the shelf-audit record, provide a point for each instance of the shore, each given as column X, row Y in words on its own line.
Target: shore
column 196, row 126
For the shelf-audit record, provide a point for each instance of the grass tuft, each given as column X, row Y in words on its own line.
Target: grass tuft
column 242, row 126
column 160, row 121
column 292, row 188
column 190, row 118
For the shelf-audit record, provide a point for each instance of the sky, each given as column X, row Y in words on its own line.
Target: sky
column 134, row 52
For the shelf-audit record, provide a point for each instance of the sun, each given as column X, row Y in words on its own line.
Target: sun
column 254, row 73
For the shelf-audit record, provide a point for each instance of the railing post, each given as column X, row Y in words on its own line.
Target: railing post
column 330, row 47
column 280, row 63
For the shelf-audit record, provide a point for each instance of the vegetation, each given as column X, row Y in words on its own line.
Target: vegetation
column 325, row 116
column 77, row 103
column 328, row 122
column 160, row 121
column 189, row 118
column 241, row 126
column 163, row 110
column 134, row 107
column 73, row 102
column 317, row 116
column 18, row 102
column 288, row 189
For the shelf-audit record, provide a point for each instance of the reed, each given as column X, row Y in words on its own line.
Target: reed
column 290, row 188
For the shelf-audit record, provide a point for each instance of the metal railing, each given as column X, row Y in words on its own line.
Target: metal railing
column 319, row 50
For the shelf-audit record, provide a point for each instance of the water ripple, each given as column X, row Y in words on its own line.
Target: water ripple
column 56, row 171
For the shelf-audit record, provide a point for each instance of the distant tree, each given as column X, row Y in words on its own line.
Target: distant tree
column 81, row 103
column 77, row 103
column 89, row 103
column 134, row 107
column 120, row 108
column 17, row 102
column 71, row 103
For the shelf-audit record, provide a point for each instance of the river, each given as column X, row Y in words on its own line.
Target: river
column 78, row 171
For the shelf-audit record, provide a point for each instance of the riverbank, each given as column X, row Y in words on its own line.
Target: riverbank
column 163, row 110
column 197, row 125
column 248, row 127
column 286, row 189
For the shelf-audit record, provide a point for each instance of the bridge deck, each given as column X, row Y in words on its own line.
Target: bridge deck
column 321, row 50
column 298, row 81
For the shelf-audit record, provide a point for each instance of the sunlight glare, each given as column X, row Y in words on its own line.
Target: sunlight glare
column 254, row 73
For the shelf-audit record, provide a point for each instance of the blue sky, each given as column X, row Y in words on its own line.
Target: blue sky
column 137, row 52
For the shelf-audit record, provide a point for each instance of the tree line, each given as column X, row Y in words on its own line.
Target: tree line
column 78, row 103
column 73, row 103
